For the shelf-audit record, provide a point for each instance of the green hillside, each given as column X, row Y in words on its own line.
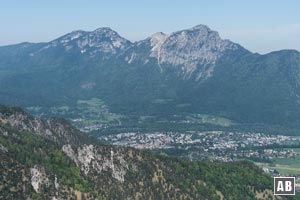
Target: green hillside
column 45, row 159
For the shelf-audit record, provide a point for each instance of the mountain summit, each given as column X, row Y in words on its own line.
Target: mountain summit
column 191, row 52
column 98, row 42
column 195, row 48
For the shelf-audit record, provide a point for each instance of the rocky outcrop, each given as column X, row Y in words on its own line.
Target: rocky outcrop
column 58, row 130
column 38, row 178
column 92, row 159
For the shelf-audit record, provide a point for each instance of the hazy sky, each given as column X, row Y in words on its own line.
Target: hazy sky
column 259, row 25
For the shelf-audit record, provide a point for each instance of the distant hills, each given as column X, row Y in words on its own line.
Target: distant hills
column 50, row 159
column 166, row 75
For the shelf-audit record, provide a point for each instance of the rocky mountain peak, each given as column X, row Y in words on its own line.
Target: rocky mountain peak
column 107, row 38
column 158, row 37
column 104, row 29
column 201, row 27
column 190, row 52
column 195, row 49
column 100, row 41
column 156, row 40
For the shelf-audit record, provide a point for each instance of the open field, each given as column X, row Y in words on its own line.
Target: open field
column 289, row 166
column 209, row 119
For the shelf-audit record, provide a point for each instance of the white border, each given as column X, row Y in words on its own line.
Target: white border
column 283, row 194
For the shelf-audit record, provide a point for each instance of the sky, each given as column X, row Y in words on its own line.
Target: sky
column 259, row 25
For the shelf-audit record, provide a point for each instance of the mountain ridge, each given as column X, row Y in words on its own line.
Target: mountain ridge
column 192, row 67
column 84, row 31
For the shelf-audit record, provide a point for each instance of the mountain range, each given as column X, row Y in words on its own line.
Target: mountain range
column 191, row 71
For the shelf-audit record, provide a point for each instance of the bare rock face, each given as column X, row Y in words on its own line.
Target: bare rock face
column 100, row 41
column 191, row 49
column 18, row 119
column 55, row 129
column 90, row 158
column 188, row 52
column 38, row 178
column 156, row 40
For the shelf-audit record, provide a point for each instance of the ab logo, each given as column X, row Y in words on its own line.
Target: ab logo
column 284, row 185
